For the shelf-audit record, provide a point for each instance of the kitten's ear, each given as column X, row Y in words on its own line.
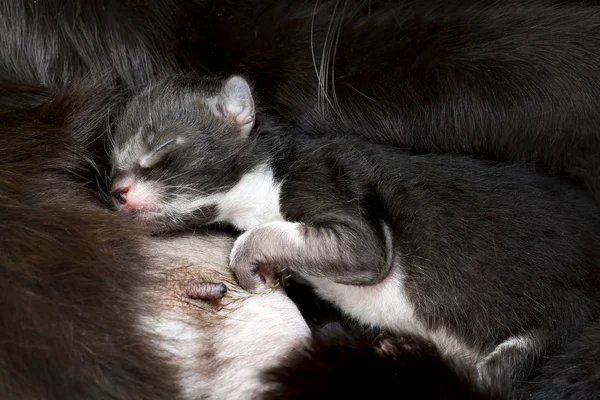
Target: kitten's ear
column 235, row 103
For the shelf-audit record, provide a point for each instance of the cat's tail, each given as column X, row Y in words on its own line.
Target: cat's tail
column 336, row 365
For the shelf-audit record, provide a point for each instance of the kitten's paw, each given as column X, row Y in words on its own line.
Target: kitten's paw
column 251, row 272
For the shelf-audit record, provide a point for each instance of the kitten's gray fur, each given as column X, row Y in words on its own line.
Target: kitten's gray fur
column 496, row 264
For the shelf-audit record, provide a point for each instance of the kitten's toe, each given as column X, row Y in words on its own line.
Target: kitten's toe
column 244, row 262
column 254, row 278
column 249, row 266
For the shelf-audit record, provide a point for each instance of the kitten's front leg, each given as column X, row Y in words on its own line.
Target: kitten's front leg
column 344, row 253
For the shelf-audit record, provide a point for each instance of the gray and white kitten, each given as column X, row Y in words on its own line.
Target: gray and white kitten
column 497, row 265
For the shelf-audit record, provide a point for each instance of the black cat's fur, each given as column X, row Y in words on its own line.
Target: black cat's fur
column 340, row 366
column 502, row 259
column 572, row 373
column 511, row 80
column 51, row 42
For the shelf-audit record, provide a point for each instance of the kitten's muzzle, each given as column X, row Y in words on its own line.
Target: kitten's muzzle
column 130, row 194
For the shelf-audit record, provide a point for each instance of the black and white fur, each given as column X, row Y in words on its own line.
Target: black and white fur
column 493, row 263
column 94, row 307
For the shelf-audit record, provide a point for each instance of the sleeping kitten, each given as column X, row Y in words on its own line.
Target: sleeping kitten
column 493, row 263
column 94, row 308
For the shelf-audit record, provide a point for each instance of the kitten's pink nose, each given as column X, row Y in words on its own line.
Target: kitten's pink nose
column 134, row 195
column 121, row 194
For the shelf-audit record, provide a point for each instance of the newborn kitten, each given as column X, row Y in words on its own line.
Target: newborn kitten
column 495, row 264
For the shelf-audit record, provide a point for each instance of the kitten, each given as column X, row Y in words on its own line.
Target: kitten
column 95, row 308
column 493, row 263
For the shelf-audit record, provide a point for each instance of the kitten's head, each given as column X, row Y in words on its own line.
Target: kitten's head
column 179, row 144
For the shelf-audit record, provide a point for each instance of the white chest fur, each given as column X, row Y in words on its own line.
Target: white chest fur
column 253, row 201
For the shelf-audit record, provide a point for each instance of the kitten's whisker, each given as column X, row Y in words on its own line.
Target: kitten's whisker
column 312, row 50
column 325, row 59
column 335, row 47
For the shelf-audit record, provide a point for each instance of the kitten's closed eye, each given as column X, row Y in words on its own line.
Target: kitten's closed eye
column 155, row 155
column 164, row 145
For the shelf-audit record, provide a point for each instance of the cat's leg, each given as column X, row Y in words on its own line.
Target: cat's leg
column 352, row 253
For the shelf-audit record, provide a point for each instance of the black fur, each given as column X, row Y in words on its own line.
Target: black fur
column 336, row 365
column 509, row 80
column 572, row 373
column 52, row 42
column 70, row 273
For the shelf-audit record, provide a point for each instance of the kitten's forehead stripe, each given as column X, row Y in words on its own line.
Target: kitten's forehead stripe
column 130, row 153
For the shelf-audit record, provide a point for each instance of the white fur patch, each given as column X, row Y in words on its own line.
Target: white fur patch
column 254, row 200
column 384, row 305
column 387, row 307
column 451, row 346
column 145, row 161
column 224, row 361
column 186, row 204
column 182, row 342
column 516, row 342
